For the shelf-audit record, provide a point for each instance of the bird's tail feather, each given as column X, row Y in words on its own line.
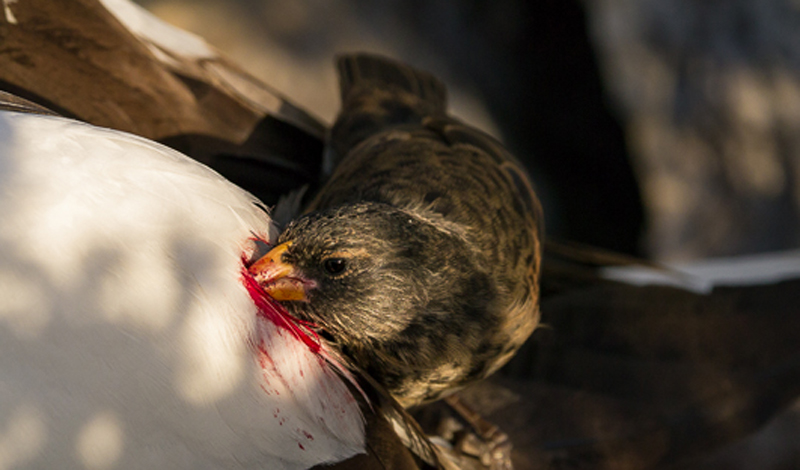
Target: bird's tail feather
column 379, row 94
column 359, row 70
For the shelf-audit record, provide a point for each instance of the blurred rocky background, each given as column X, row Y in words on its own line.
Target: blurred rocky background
column 709, row 94
column 666, row 128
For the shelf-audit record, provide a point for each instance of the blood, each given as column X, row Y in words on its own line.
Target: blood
column 301, row 446
column 273, row 311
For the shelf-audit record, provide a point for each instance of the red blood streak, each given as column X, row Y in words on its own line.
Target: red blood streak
column 301, row 446
column 271, row 310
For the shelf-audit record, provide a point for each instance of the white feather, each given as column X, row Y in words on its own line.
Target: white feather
column 701, row 276
column 163, row 35
column 126, row 337
column 190, row 54
column 10, row 18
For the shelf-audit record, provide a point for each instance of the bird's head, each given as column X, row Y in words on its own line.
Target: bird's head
column 345, row 268
column 369, row 275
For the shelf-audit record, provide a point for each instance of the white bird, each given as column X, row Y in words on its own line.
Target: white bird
column 127, row 336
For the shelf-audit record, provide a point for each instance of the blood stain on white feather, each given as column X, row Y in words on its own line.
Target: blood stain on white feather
column 280, row 356
column 191, row 379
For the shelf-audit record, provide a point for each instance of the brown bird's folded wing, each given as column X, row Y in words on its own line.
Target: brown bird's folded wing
column 645, row 376
column 114, row 65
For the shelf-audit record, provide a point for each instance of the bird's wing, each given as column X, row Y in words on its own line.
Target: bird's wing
column 113, row 64
column 186, row 54
column 127, row 339
column 657, row 372
column 456, row 133
column 394, row 439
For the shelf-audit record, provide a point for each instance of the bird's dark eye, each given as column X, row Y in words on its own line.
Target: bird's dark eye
column 335, row 265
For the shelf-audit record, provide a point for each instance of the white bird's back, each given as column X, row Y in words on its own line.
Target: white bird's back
column 127, row 339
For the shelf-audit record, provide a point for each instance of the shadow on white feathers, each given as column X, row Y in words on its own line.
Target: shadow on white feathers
column 126, row 337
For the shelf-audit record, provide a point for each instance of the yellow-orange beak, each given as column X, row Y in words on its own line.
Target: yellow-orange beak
column 279, row 279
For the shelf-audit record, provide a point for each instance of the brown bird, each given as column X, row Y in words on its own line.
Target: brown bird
column 420, row 256
column 271, row 396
